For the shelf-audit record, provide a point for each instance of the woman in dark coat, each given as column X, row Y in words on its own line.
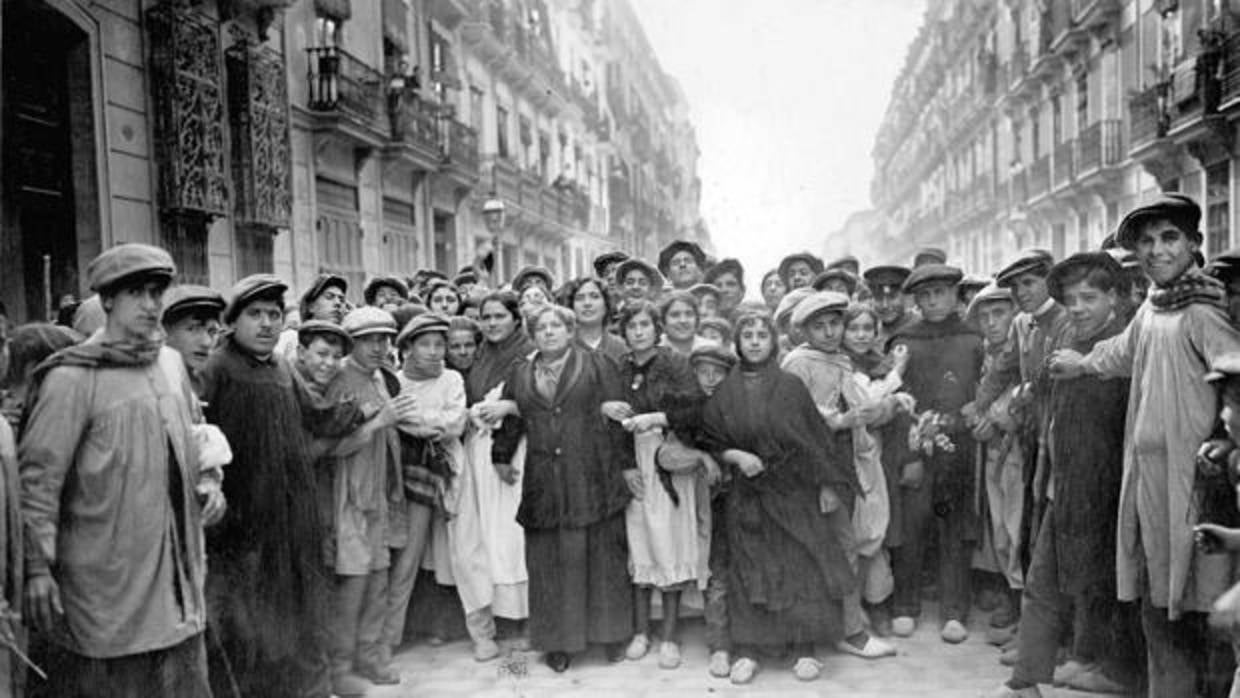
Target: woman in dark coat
column 787, row 573
column 574, row 492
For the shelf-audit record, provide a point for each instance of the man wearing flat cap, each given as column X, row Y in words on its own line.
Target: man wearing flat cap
column 729, row 277
column 1174, row 338
column 191, row 321
column 682, row 262
column 325, row 299
column 367, row 481
column 945, row 362
column 386, row 293
column 638, row 280
column 798, row 270
column 114, row 443
column 267, row 580
column 929, row 255
column 837, row 280
column 886, row 283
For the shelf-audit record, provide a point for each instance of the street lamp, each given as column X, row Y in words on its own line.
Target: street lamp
column 493, row 215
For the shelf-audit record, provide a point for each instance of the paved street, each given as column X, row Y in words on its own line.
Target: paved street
column 926, row 668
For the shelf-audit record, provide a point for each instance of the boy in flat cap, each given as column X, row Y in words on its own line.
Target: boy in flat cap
column 111, row 444
column 268, row 586
column 325, row 299
column 1078, row 484
column 1171, row 342
column 191, row 321
column 945, row 362
column 798, row 270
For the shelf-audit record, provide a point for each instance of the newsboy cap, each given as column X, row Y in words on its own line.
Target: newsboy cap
column 932, row 273
column 633, row 263
column 836, row 274
column 886, row 276
column 929, row 255
column 321, row 283
column 819, row 302
column 1099, row 260
column 367, row 320
column 531, row 273
column 789, row 303
column 1031, row 261
column 1180, row 209
column 815, row 264
column 990, row 293
column 607, row 259
column 423, row 324
column 312, row 328
column 254, row 287
column 713, row 353
column 392, row 282
column 1226, row 266
column 184, row 299
column 127, row 261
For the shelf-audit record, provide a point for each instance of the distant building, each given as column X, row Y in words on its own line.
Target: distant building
column 865, row 236
column 1040, row 123
column 360, row 137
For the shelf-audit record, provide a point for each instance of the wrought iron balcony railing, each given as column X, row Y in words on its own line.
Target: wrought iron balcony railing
column 462, row 146
column 1099, row 146
column 340, row 81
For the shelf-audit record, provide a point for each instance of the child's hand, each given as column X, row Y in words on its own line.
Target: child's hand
column 1213, row 539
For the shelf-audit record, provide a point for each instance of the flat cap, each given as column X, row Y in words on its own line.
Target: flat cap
column 789, row 302
column 321, row 283
column 890, row 276
column 183, row 299
column 819, row 302
column 392, row 282
column 116, row 264
column 975, row 282
column 310, row 328
column 607, row 259
column 814, row 263
column 423, row 324
column 1099, row 260
column 530, row 274
column 1180, row 209
column 368, row 319
column 990, row 293
column 666, row 254
column 465, row 276
column 1025, row 262
column 727, row 265
column 1225, row 266
column 713, row 353
column 836, row 274
column 704, row 289
column 719, row 324
column 848, row 262
column 929, row 255
column 628, row 265
column 932, row 273
column 253, row 288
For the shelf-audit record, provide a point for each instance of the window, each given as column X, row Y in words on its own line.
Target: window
column 1056, row 119
column 475, row 108
column 1218, row 208
column 1082, row 101
column 501, row 132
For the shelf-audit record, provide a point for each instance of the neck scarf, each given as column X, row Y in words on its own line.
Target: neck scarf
column 1193, row 286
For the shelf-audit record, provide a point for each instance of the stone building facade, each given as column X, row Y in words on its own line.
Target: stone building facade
column 1028, row 123
column 361, row 137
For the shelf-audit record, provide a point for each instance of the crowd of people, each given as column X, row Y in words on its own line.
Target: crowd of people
column 225, row 494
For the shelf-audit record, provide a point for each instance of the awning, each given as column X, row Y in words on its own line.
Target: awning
column 395, row 24
column 339, row 10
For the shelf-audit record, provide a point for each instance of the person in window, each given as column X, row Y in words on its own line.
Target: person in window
column 579, row 475
column 787, row 570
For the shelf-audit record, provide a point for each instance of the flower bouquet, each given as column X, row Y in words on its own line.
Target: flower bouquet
column 930, row 433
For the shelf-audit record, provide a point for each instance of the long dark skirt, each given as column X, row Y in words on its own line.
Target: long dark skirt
column 579, row 586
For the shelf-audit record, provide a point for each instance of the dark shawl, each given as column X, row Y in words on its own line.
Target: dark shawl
column 785, row 556
column 1087, row 459
column 494, row 362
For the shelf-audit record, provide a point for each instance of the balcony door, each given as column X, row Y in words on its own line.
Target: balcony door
column 339, row 231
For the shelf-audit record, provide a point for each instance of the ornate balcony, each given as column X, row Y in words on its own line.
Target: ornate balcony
column 461, row 151
column 500, row 36
column 346, row 94
column 415, row 131
column 1099, row 146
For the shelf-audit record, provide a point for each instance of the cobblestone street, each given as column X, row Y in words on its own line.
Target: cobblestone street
column 925, row 667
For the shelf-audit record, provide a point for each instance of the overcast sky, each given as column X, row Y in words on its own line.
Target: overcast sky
column 786, row 97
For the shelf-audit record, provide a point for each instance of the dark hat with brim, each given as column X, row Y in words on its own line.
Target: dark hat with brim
column 929, row 255
column 423, row 324
column 713, row 353
column 1037, row 262
column 1226, row 266
column 814, row 263
column 528, row 274
column 1102, row 261
column 836, row 274
column 887, row 276
column 121, row 264
column 931, row 274
column 607, row 259
column 1180, row 209
column 628, row 265
column 666, row 254
column 313, row 328
column 190, row 299
column 255, row 287
column 728, row 265
column 973, row 282
column 392, row 282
